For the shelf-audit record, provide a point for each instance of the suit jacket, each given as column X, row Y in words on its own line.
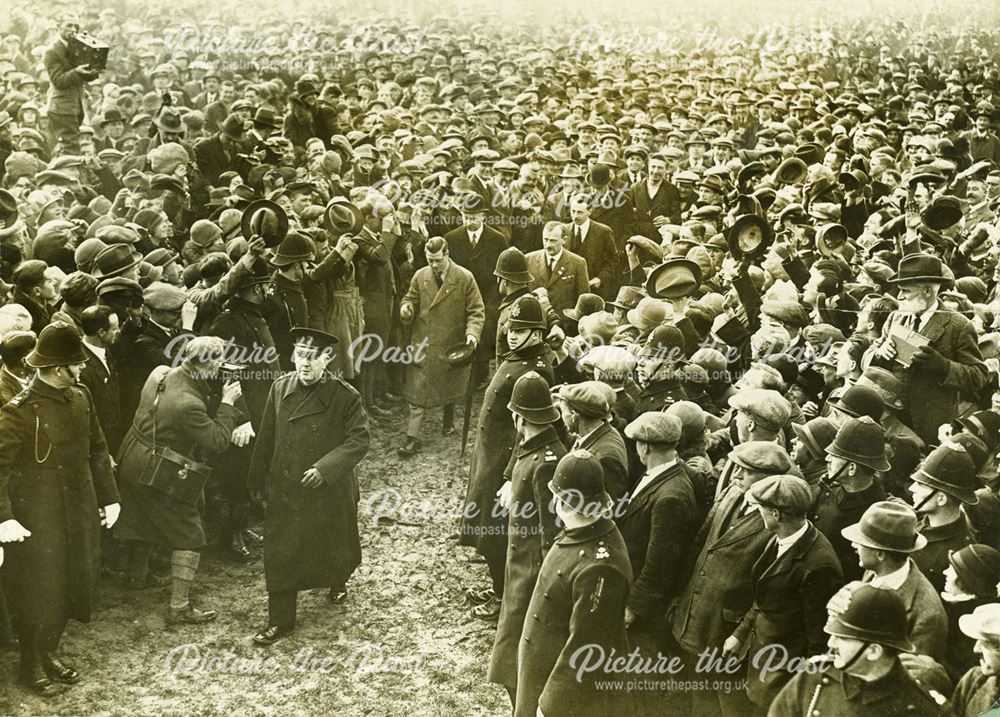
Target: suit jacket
column 212, row 159
column 718, row 592
column 65, row 82
column 481, row 260
column 103, row 384
column 665, row 203
column 658, row 525
column 607, row 445
column 790, row 595
column 933, row 400
column 566, row 282
column 925, row 615
column 600, row 252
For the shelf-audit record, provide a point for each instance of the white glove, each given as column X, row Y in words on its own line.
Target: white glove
column 242, row 435
column 110, row 515
column 13, row 532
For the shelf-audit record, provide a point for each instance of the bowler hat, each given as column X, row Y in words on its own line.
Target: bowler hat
column 873, row 615
column 58, row 344
column 266, row 219
column 815, row 434
column 532, row 400
column 860, row 400
column 887, row 525
column 978, row 568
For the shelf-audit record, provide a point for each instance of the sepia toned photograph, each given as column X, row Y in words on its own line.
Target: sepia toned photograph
column 459, row 358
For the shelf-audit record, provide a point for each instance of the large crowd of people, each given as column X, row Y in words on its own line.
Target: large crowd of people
column 719, row 317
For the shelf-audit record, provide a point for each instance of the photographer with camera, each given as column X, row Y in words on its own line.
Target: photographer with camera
column 66, row 83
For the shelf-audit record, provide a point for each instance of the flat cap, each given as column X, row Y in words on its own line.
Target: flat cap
column 163, row 297
column 761, row 456
column 655, row 427
column 769, row 408
column 784, row 492
column 591, row 398
column 787, row 312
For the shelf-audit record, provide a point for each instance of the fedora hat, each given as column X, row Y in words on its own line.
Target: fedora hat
column 887, row 525
column 674, row 279
column 459, row 354
column 267, row 219
column 791, row 171
column 887, row 385
column 816, row 434
column 8, row 209
column 628, row 298
column 115, row 261
column 342, row 217
column 648, row 313
column 58, row 344
column 586, row 304
column 942, row 212
column 169, row 120
column 749, row 236
column 920, row 267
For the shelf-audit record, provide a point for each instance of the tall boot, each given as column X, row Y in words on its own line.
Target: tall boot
column 183, row 567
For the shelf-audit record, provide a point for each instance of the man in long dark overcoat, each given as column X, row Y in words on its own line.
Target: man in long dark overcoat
column 484, row 521
column 313, row 434
column 56, row 489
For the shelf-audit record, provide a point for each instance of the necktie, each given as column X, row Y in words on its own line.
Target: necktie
column 473, row 239
column 438, row 279
column 577, row 237
column 552, row 267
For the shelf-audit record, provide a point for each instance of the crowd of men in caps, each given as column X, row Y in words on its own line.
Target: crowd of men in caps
column 730, row 318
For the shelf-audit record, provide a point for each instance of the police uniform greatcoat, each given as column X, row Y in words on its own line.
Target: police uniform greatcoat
column 312, row 533
column 532, row 528
column 55, row 475
column 483, row 524
column 579, row 600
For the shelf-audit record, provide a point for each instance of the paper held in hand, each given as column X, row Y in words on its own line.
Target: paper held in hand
column 907, row 342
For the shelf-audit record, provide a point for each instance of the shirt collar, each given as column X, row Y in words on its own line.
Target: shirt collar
column 893, row 580
column 786, row 543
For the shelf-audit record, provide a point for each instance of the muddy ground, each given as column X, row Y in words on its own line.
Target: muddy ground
column 403, row 644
